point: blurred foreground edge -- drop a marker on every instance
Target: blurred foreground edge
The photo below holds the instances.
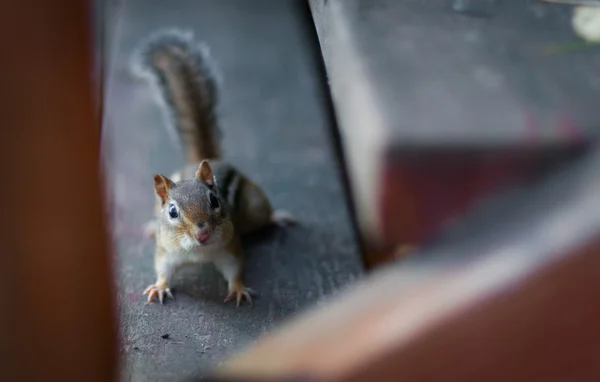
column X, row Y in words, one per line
column 57, row 314
column 509, row 295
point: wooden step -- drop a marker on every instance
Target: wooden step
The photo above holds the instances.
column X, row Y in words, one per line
column 441, row 104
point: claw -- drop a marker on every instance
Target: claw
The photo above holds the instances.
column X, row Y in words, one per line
column 248, row 298
column 158, row 291
column 151, row 295
column 239, row 294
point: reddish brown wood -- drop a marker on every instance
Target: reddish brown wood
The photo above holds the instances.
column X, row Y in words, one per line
column 58, row 314
column 375, row 258
column 546, row 330
column 422, row 190
column 449, row 327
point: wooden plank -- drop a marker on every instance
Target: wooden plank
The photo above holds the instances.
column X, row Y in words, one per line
column 58, row 314
column 507, row 284
column 447, row 329
column 425, row 191
column 474, row 88
column 543, row 330
column 275, row 130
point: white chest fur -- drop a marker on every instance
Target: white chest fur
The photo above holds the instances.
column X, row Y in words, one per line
column 173, row 260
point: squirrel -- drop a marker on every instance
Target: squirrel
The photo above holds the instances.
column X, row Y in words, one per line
column 202, row 210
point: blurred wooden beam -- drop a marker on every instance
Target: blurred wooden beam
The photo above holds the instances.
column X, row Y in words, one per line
column 508, row 294
column 58, row 314
column 541, row 330
column 449, row 327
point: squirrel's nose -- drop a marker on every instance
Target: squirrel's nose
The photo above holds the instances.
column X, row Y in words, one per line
column 202, row 236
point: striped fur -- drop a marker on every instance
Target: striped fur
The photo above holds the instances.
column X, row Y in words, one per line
column 182, row 72
column 246, row 204
column 202, row 209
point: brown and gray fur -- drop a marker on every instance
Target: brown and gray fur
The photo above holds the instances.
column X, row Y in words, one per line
column 202, row 209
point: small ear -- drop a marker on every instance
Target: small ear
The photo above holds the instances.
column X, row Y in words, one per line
column 162, row 185
column 205, row 173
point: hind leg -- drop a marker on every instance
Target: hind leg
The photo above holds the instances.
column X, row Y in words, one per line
column 282, row 218
column 255, row 210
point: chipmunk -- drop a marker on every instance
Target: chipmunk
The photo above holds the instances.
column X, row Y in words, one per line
column 202, row 210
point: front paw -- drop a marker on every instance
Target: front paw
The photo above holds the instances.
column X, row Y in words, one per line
column 238, row 292
column 158, row 289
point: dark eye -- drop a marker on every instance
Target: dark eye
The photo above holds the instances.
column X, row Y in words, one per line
column 214, row 202
column 173, row 211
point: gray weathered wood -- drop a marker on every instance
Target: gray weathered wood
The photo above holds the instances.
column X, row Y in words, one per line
column 420, row 86
column 275, row 130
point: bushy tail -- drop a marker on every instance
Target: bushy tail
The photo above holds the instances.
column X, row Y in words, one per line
column 186, row 83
